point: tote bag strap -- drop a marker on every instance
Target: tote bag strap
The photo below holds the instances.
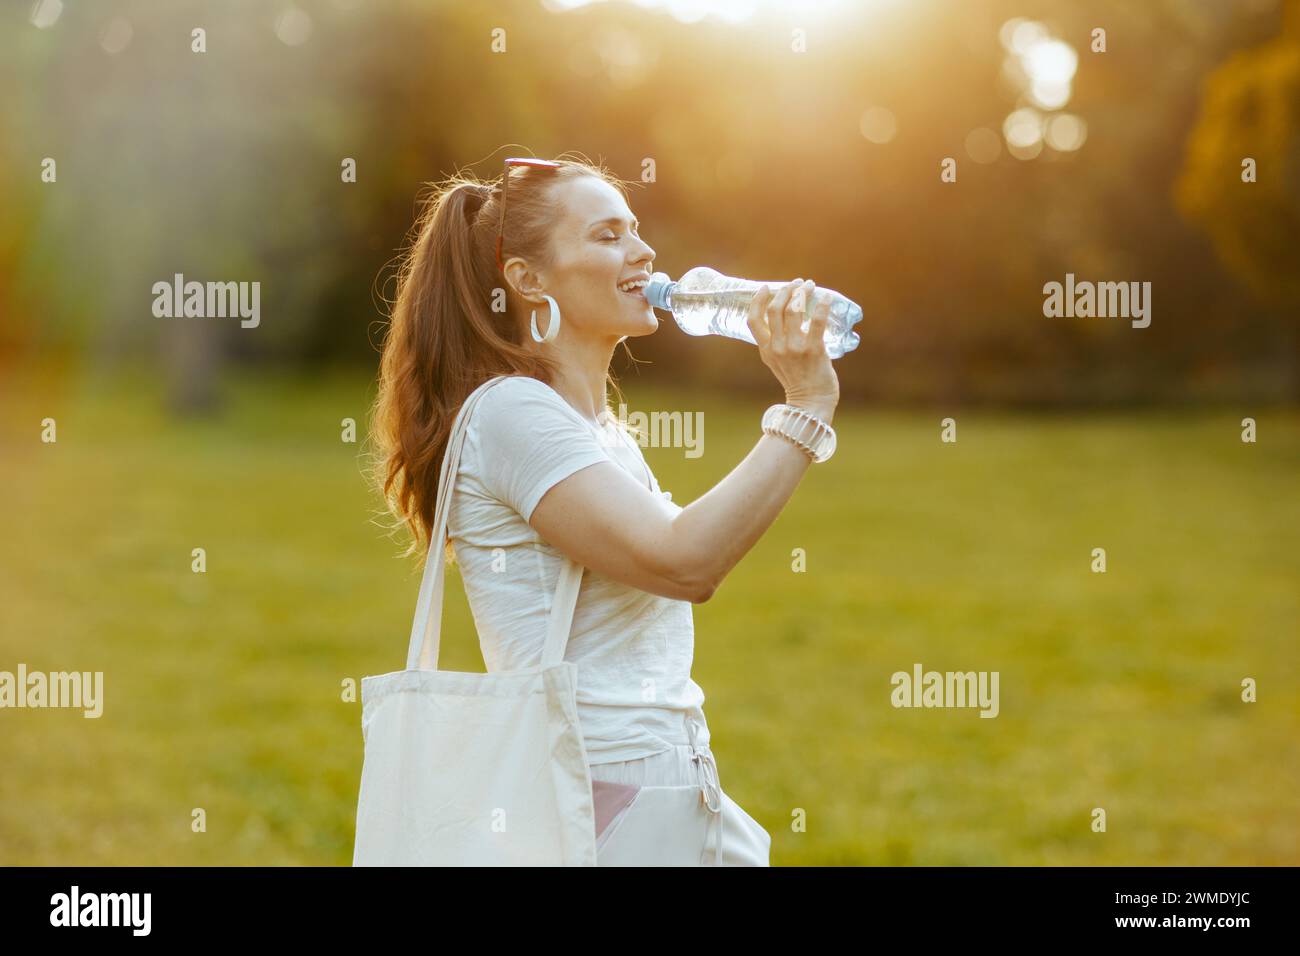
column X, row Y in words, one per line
column 426, row 629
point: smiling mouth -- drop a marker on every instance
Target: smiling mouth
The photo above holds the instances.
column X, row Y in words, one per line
column 637, row 290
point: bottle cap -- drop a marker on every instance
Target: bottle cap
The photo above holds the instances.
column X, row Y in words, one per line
column 656, row 290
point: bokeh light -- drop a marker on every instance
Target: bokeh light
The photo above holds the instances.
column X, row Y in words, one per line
column 1023, row 131
column 1023, row 128
column 45, row 13
column 1065, row 132
column 116, row 36
column 293, row 26
column 684, row 11
column 731, row 11
column 1052, row 61
column 878, row 125
column 1027, row 35
column 1042, row 68
column 1050, row 65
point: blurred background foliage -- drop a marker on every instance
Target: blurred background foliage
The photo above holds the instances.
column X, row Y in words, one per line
column 226, row 165
column 223, row 690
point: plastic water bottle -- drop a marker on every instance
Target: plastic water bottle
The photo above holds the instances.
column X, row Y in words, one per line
column 705, row 302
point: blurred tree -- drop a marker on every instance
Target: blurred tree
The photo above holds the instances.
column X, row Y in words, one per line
column 1251, row 109
column 226, row 165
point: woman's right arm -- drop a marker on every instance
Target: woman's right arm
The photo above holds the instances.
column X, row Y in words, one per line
column 603, row 519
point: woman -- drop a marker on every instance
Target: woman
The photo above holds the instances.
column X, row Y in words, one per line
column 539, row 284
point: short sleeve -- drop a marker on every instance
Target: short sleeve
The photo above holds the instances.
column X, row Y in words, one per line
column 529, row 439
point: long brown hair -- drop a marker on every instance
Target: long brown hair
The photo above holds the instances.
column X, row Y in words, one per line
column 443, row 337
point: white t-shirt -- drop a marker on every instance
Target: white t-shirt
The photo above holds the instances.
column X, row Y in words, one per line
column 633, row 649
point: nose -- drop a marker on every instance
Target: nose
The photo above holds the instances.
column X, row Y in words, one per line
column 646, row 255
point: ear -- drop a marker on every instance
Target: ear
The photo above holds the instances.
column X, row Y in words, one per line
column 526, row 283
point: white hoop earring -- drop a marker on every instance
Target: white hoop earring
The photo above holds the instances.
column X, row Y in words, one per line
column 553, row 329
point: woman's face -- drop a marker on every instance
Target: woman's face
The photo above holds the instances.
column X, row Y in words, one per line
column 596, row 248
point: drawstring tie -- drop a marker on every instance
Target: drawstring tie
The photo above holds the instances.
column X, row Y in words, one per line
column 710, row 786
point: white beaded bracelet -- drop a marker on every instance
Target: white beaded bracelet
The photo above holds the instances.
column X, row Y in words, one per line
column 804, row 429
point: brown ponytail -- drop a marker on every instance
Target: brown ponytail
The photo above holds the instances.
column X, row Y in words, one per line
column 443, row 338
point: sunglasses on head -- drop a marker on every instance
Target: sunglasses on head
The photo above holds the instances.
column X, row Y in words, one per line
column 505, row 182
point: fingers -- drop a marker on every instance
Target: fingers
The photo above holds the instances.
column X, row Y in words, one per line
column 776, row 310
column 756, row 320
column 776, row 320
column 805, row 305
column 817, row 325
column 796, row 313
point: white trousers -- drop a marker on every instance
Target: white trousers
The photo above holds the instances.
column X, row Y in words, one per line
column 669, row 809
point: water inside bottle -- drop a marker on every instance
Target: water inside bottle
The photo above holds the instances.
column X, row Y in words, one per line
column 705, row 302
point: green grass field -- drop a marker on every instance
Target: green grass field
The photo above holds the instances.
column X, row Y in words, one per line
column 1118, row 690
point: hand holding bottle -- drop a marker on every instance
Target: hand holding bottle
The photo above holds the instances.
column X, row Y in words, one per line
column 796, row 356
column 706, row 302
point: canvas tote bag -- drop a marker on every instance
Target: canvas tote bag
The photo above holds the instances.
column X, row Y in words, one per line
column 474, row 769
